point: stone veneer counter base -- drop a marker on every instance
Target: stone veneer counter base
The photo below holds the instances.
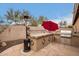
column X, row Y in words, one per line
column 39, row 41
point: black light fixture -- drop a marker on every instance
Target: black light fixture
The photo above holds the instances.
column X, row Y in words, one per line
column 27, row 40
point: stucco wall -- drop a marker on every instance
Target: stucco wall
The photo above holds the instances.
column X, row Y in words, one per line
column 76, row 26
column 13, row 33
column 18, row 32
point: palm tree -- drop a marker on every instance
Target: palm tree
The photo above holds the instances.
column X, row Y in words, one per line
column 65, row 23
column 17, row 15
column 10, row 14
column 13, row 15
column 24, row 13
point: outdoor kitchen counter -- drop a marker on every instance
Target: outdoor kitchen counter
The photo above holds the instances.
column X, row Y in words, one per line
column 36, row 36
column 39, row 41
column 76, row 35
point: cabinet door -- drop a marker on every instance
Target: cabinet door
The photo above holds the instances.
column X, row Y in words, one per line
column 66, row 41
column 57, row 38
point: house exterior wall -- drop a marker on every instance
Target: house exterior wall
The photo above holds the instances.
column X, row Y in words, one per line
column 76, row 18
column 76, row 26
column 75, row 37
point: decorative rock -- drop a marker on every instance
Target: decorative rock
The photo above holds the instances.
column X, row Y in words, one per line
column 4, row 44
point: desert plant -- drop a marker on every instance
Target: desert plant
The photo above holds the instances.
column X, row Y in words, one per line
column 41, row 19
column 33, row 22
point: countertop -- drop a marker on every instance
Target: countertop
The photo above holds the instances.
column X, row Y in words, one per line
column 36, row 36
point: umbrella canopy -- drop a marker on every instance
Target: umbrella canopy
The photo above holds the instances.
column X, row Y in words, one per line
column 50, row 26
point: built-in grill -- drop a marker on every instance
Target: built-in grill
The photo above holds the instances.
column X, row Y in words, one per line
column 65, row 36
column 65, row 33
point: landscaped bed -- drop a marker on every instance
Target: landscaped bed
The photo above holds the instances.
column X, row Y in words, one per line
column 10, row 44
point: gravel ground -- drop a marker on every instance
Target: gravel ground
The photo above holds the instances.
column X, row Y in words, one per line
column 10, row 43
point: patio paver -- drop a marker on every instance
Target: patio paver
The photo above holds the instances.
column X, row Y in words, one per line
column 53, row 49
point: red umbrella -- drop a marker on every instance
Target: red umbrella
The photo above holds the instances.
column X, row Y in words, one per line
column 50, row 26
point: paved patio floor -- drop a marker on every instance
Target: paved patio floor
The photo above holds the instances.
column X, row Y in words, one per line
column 53, row 49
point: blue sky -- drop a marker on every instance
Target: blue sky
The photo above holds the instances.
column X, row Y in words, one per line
column 50, row 10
